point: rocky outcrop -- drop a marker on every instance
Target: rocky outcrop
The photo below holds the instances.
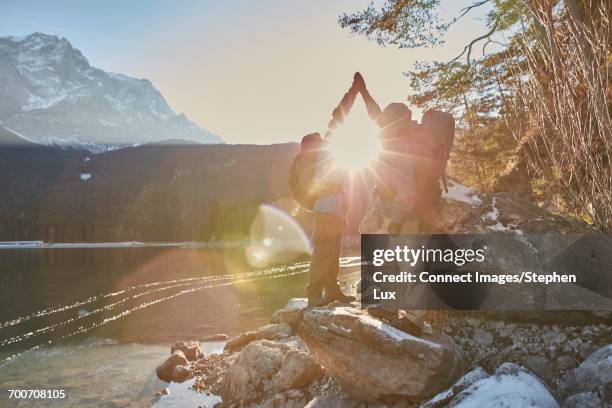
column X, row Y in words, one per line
column 165, row 371
column 376, row 361
column 465, row 211
column 191, row 349
column 270, row 332
column 264, row 369
column 591, row 381
column 510, row 386
column 291, row 313
column 349, row 358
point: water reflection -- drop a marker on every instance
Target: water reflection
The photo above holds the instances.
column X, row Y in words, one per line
column 144, row 295
column 96, row 321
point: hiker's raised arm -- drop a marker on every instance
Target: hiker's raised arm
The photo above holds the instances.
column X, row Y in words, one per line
column 343, row 108
column 371, row 105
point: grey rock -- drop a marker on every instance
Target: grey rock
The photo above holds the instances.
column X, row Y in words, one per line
column 592, row 375
column 586, row 349
column 444, row 398
column 566, row 362
column 541, row 366
column 265, row 368
column 584, row 400
column 291, row 313
column 510, row 386
column 483, row 338
column 373, row 360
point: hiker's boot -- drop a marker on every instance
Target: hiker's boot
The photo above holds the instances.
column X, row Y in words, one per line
column 317, row 301
column 338, row 296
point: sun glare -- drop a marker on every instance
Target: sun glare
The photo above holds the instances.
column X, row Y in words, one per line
column 355, row 144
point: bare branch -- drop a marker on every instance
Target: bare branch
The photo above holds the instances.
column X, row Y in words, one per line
column 467, row 9
column 468, row 48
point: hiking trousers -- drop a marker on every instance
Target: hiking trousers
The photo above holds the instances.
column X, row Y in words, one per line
column 324, row 263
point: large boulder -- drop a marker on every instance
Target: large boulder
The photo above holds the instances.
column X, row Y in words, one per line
column 165, row 371
column 191, row 349
column 265, row 368
column 593, row 377
column 584, row 400
column 376, row 361
column 269, row 332
column 510, row 386
column 444, row 398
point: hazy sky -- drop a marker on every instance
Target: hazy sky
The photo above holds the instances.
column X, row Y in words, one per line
column 252, row 71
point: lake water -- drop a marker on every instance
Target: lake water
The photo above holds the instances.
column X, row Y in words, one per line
column 97, row 321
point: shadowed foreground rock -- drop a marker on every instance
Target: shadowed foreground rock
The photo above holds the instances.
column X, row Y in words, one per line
column 165, row 371
column 591, row 381
column 376, row 361
column 510, row 386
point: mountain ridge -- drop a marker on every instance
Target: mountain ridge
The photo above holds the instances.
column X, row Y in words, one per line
column 52, row 95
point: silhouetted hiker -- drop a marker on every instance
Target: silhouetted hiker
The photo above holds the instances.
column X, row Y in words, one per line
column 392, row 209
column 410, row 167
column 395, row 192
column 321, row 186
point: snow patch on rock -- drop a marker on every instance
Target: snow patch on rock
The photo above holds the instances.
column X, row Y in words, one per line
column 388, row 330
column 463, row 194
column 511, row 386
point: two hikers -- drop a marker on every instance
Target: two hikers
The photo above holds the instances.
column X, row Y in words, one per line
column 410, row 165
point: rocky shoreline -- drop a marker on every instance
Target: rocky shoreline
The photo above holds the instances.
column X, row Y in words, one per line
column 341, row 356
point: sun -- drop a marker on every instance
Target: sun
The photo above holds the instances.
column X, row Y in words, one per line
column 355, row 144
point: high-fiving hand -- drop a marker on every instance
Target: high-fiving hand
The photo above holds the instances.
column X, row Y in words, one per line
column 358, row 82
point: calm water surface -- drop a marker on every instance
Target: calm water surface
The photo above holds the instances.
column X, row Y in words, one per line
column 96, row 321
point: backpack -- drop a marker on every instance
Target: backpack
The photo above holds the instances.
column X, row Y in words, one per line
column 302, row 171
column 433, row 143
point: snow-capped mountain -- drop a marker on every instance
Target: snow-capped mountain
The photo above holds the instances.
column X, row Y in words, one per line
column 50, row 94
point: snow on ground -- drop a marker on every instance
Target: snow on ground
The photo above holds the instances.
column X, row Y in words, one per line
column 494, row 216
column 85, row 176
column 463, row 194
column 518, row 389
column 106, row 123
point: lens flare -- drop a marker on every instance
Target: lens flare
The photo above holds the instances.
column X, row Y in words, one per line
column 275, row 238
column 355, row 144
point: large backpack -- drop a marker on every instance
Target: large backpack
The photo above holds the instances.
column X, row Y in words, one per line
column 302, row 171
column 433, row 143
